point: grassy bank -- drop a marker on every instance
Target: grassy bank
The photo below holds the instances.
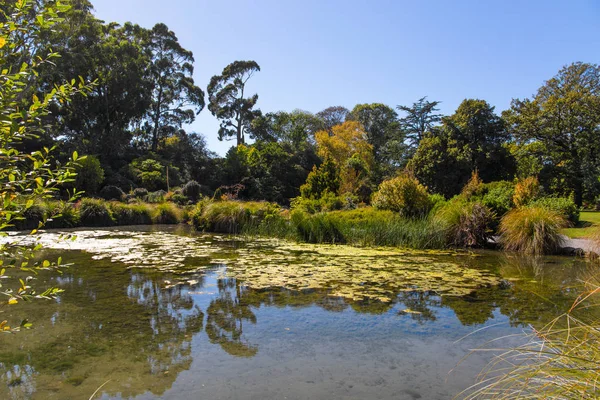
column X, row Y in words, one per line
column 588, row 225
column 99, row 213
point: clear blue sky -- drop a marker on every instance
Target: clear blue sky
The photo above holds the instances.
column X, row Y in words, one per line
column 318, row 53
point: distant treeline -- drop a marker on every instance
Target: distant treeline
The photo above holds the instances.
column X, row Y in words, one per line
column 131, row 126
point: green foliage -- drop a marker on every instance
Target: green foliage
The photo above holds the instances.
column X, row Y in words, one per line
column 420, row 118
column 321, row 180
column 561, row 205
column 498, row 197
column 95, row 212
column 180, row 199
column 327, row 202
column 192, row 190
column 156, row 197
column 167, row 213
column 150, row 173
column 27, row 177
column 532, row 230
column 32, row 218
column 90, row 175
column 467, row 224
column 112, row 192
column 404, row 195
column 65, row 214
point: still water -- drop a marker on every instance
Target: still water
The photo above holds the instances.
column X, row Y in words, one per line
column 163, row 313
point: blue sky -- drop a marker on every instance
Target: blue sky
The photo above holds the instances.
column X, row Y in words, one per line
column 314, row 54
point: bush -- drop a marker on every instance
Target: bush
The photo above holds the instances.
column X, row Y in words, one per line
column 473, row 188
column 532, row 230
column 467, row 224
column 112, row 192
column 192, row 190
column 90, row 175
column 180, row 199
column 64, row 215
column 156, row 197
column 167, row 213
column 564, row 206
column 140, row 193
column 403, row 194
column 131, row 214
column 526, row 191
column 499, row 197
column 95, row 212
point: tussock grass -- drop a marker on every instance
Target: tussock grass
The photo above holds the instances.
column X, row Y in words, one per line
column 467, row 224
column 532, row 230
column 559, row 361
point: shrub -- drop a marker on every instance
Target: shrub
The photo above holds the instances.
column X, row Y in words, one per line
column 95, row 212
column 467, row 224
column 180, row 199
column 64, row 215
column 403, row 194
column 90, row 175
column 156, row 197
column 112, row 192
column 564, row 206
column 532, row 230
column 526, row 191
column 167, row 213
column 499, row 196
column 328, row 202
column 140, row 193
column 192, row 190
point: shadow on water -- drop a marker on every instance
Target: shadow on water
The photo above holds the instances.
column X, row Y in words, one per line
column 171, row 314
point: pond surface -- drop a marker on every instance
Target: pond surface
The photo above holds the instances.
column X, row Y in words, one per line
column 163, row 313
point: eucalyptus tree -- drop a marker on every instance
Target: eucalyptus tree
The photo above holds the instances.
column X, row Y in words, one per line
column 332, row 116
column 175, row 98
column 227, row 101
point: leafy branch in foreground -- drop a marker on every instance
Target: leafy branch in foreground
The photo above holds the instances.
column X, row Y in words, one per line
column 26, row 178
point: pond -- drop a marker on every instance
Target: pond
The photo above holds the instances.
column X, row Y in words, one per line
column 162, row 312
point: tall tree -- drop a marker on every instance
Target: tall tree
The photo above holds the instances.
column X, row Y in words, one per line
column 296, row 128
column 420, row 118
column 564, row 117
column 227, row 102
column 332, row 116
column 175, row 98
column 383, row 133
column 472, row 139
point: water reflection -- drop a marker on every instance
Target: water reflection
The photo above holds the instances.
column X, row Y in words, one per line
column 141, row 328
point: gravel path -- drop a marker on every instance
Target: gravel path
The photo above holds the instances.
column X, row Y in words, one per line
column 584, row 244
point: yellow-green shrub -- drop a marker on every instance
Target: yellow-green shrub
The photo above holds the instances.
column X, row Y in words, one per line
column 526, row 191
column 403, row 194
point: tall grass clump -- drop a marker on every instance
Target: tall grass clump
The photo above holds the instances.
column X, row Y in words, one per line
column 95, row 212
column 466, row 224
column 63, row 214
column 232, row 216
column 404, row 195
column 131, row 214
column 167, row 213
column 532, row 230
column 558, row 361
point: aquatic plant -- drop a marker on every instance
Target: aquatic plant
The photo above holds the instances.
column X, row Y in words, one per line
column 94, row 212
column 404, row 195
column 557, row 361
column 232, row 216
column 532, row 230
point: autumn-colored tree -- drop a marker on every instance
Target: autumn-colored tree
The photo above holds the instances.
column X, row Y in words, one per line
column 348, row 148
